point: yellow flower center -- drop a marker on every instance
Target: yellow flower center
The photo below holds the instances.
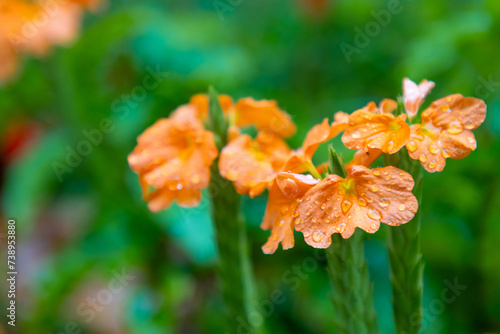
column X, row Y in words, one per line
column 394, row 126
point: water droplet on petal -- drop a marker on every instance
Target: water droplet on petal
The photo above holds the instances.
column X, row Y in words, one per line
column 434, row 149
column 295, row 214
column 314, row 219
column 376, row 172
column 308, row 213
column 318, row 236
column 455, row 127
column 306, row 234
column 388, row 177
column 422, row 157
column 297, row 221
column 196, row 178
column 469, row 124
column 346, row 205
column 412, row 146
column 432, row 164
column 373, row 227
column 179, row 186
column 384, row 202
column 401, row 207
column 356, row 134
column 374, row 188
column 374, row 214
column 282, row 222
column 341, row 227
column 323, row 206
column 361, row 201
column 327, row 220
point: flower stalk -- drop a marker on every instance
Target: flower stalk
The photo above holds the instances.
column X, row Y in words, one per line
column 352, row 294
column 234, row 267
column 405, row 257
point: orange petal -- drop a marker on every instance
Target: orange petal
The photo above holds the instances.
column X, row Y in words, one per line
column 432, row 146
column 264, row 115
column 283, row 195
column 174, row 157
column 364, row 199
column 388, row 106
column 382, row 131
column 162, row 198
column 200, row 103
column 414, row 95
column 317, row 135
column 455, row 113
column 364, row 157
column 253, row 164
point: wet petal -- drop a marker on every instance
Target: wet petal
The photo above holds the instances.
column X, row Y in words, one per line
column 414, row 95
column 253, row 164
column 365, row 199
column 455, row 113
column 280, row 215
column 264, row 115
column 388, row 106
column 376, row 131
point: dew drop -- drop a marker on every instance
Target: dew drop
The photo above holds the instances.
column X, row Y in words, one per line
column 445, row 153
column 295, row 214
column 374, row 214
column 384, row 202
column 318, row 236
column 434, row 149
column 308, row 213
column 323, row 206
column 346, row 205
column 455, row 127
column 373, row 227
column 327, row 220
column 401, row 207
column 432, row 164
column 341, row 227
column 376, row 172
column 297, row 221
column 314, row 219
column 362, row 201
column 422, row 157
column 179, row 186
column 356, row 134
column 306, row 234
column 282, row 222
column 412, row 146
column 469, row 124
column 387, row 178
column 374, row 188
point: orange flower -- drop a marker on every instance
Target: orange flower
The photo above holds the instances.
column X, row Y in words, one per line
column 281, row 204
column 445, row 131
column 385, row 106
column 253, row 164
column 30, row 27
column 414, row 95
column 372, row 130
column 301, row 160
column 264, row 114
column 173, row 156
column 364, row 199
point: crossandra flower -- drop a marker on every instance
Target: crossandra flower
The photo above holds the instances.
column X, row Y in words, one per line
column 24, row 28
column 282, row 202
column 366, row 198
column 364, row 157
column 264, row 114
column 445, row 131
column 252, row 164
column 301, row 159
column 173, row 157
column 369, row 129
column 414, row 95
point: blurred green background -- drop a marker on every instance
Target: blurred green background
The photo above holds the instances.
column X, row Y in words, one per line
column 78, row 230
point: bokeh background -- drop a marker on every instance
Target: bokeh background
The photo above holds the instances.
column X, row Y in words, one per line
column 79, row 229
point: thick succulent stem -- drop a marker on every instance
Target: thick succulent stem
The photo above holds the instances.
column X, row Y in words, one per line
column 352, row 294
column 234, row 266
column 405, row 258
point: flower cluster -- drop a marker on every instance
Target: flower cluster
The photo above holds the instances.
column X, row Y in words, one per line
column 174, row 157
column 32, row 27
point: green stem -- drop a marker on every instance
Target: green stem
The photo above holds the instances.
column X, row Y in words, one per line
column 234, row 267
column 352, row 294
column 405, row 258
